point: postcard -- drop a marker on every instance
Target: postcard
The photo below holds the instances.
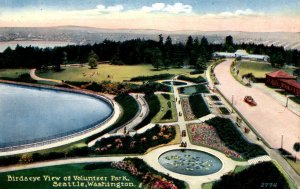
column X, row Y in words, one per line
column 137, row 94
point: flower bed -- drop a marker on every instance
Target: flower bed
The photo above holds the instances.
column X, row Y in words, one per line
column 149, row 177
column 187, row 110
column 206, row 135
column 138, row 143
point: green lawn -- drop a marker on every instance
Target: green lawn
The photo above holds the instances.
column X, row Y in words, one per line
column 109, row 72
column 12, row 73
column 62, row 171
column 165, row 105
column 258, row 69
column 295, row 165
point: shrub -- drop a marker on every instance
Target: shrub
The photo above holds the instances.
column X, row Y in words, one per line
column 152, row 77
column 198, row 106
column 194, row 80
column 168, row 115
column 233, row 139
column 197, row 72
column 262, row 175
column 9, row 160
column 166, row 96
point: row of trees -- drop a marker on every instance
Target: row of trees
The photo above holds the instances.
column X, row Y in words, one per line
column 161, row 54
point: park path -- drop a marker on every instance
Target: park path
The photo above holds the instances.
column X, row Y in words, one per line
column 35, row 77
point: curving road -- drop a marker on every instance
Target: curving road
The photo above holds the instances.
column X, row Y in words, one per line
column 269, row 118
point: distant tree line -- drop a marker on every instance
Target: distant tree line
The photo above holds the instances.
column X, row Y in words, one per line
column 163, row 53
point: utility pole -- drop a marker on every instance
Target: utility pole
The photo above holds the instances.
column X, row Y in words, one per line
column 232, row 104
column 281, row 141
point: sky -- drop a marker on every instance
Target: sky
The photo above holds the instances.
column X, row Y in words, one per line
column 170, row 15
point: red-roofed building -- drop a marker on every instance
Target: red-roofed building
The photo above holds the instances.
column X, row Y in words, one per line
column 283, row 80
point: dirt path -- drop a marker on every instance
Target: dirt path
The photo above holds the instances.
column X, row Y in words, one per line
column 269, row 118
column 35, row 77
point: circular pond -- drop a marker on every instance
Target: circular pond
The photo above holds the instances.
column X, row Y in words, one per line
column 176, row 83
column 30, row 114
column 190, row 162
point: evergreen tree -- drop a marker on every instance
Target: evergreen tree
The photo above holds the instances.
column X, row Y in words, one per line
column 156, row 58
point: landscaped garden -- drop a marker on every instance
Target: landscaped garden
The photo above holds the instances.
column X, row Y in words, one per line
column 262, row 175
column 138, row 143
column 109, row 72
column 233, row 139
column 167, row 111
column 187, row 110
column 198, row 105
column 205, row 135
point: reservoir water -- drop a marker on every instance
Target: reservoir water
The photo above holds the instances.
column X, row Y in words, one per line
column 29, row 114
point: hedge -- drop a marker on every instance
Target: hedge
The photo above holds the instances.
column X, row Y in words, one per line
column 198, row 106
column 233, row 139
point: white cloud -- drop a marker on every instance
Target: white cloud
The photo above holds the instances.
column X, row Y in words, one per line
column 162, row 7
column 154, row 7
column 237, row 13
column 110, row 9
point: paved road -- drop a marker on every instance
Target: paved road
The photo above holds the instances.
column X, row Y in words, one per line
column 269, row 118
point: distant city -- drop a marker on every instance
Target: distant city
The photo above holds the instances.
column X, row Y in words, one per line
column 87, row 35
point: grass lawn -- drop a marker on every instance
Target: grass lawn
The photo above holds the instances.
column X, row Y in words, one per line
column 12, row 73
column 166, row 106
column 296, row 166
column 115, row 72
column 295, row 99
column 62, row 171
column 259, row 69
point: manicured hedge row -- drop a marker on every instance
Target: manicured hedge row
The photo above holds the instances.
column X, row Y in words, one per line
column 198, row 106
column 152, row 77
column 191, row 79
column 233, row 138
column 263, row 175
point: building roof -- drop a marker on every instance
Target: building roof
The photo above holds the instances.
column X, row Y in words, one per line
column 280, row 74
column 290, row 82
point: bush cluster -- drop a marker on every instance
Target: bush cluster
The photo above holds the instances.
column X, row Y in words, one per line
column 233, row 139
column 191, row 79
column 152, row 77
column 262, row 175
column 198, row 106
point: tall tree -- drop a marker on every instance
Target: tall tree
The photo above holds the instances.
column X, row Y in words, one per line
column 201, row 64
column 156, row 58
column 92, row 61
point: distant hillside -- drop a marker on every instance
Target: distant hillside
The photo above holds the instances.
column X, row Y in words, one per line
column 85, row 35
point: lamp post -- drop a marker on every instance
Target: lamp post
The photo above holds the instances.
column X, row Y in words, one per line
column 287, row 101
column 232, row 104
